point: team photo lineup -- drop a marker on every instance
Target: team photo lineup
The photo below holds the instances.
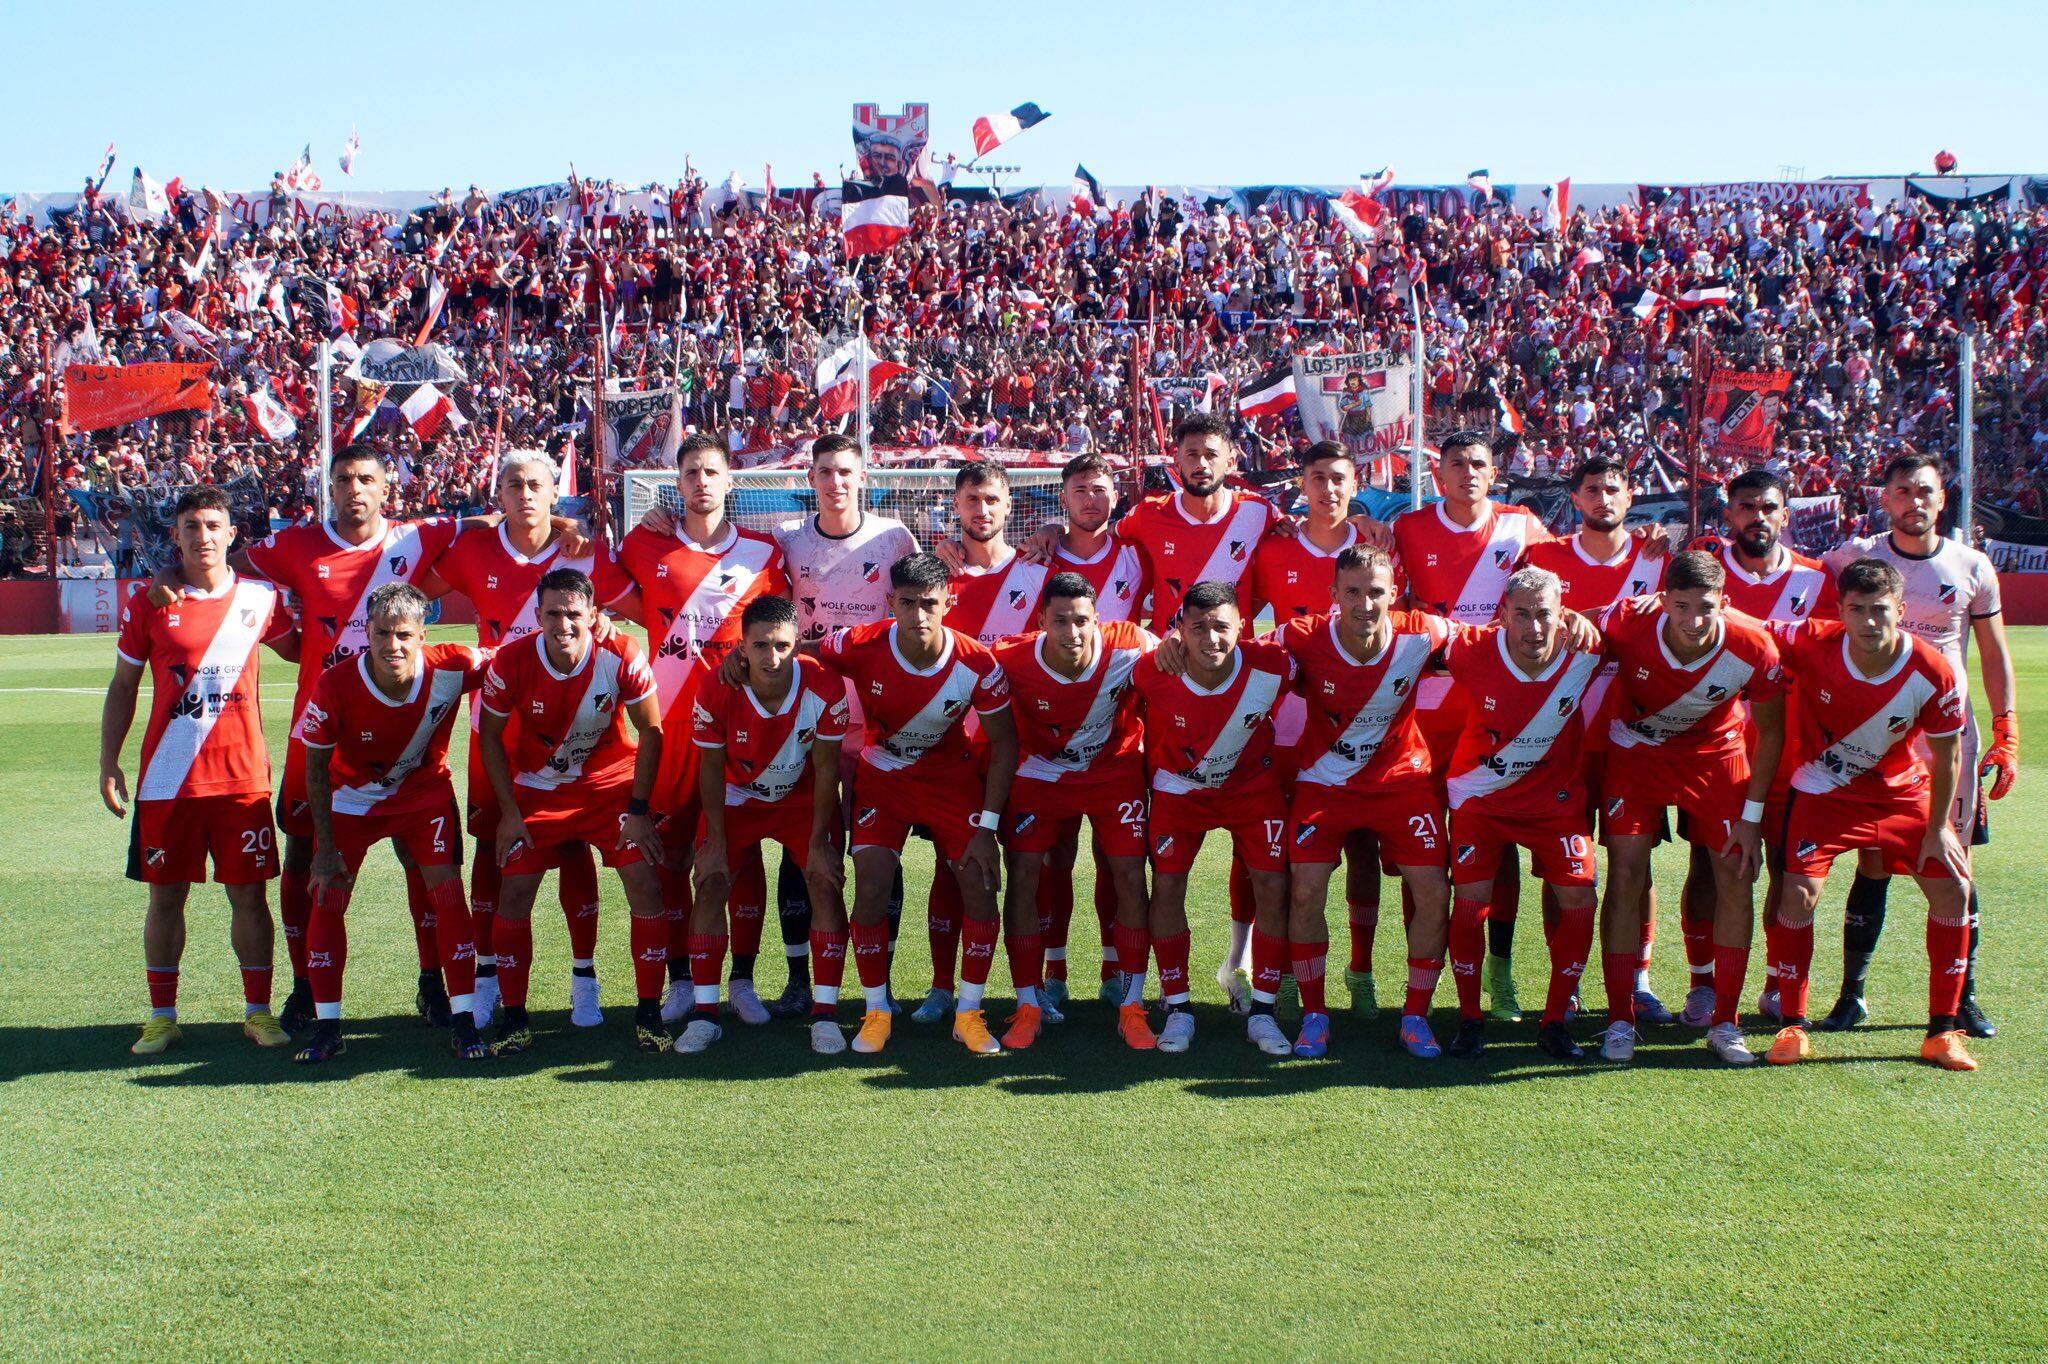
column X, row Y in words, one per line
column 1429, row 702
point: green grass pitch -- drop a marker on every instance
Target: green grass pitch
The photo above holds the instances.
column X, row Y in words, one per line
column 586, row 1201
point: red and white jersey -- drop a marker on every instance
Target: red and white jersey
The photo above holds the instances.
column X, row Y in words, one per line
column 1199, row 739
column 331, row 580
column 995, row 604
column 1458, row 572
column 1591, row 585
column 1181, row 551
column 915, row 714
column 205, row 732
column 691, row 599
column 1119, row 574
column 1361, row 727
column 1087, row 727
column 768, row 753
column 390, row 757
column 566, row 727
column 501, row 582
column 1796, row 587
column 1685, row 708
column 1519, row 752
column 1294, row 577
column 1945, row 590
column 1856, row 733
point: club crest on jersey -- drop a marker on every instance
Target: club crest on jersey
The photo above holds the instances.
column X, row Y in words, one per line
column 1896, row 724
column 1237, row 551
column 1401, row 685
column 1122, row 588
column 1716, row 692
column 953, row 706
column 1503, row 557
column 806, row 734
column 1250, row 719
column 399, row 562
column 871, row 572
column 1017, row 598
column 601, row 702
column 1799, row 606
column 1947, row 592
column 1565, row 704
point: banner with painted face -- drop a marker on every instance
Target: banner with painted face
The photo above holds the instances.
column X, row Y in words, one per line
column 1364, row 401
column 889, row 144
column 1739, row 416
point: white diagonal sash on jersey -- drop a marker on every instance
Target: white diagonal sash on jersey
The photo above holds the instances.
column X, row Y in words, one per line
column 940, row 712
column 1856, row 752
column 444, row 688
column 1245, row 526
column 780, row 777
column 1096, row 728
column 1006, row 615
column 1214, row 767
column 586, row 727
column 396, row 559
column 1536, row 737
column 709, row 605
column 1361, row 739
column 218, row 672
column 1728, row 674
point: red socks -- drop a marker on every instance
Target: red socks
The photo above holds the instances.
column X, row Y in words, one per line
column 747, row 905
column 256, row 986
column 1570, row 941
column 1055, row 917
column 424, row 939
column 1105, row 923
column 327, row 947
column 576, row 888
column 1701, row 956
column 649, row 940
column 943, row 913
column 1132, row 947
column 1467, row 946
column 1269, row 963
column 1731, row 964
column 978, row 952
column 163, row 986
column 1618, row 970
column 707, row 969
column 1422, row 977
column 1791, row 965
column 294, row 912
column 1173, row 966
column 1948, row 958
column 454, row 938
column 677, row 900
column 828, row 970
column 484, row 878
column 1364, row 920
column 514, row 941
column 1027, row 960
column 1309, row 961
column 871, row 953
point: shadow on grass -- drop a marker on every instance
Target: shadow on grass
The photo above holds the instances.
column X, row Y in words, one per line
column 1081, row 1056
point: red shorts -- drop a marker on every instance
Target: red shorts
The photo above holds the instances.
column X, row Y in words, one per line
column 1560, row 846
column 169, row 841
column 755, row 822
column 430, row 835
column 577, row 813
column 1820, row 828
column 1042, row 811
column 1407, row 816
column 294, row 806
column 1256, row 821
column 1707, row 789
column 887, row 804
column 483, row 802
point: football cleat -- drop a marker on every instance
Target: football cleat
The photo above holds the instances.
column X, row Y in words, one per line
column 464, row 1039
column 1618, row 1043
column 1053, row 993
column 1471, row 1039
column 1179, row 1031
column 1790, row 1045
column 1049, row 1012
column 158, row 1033
column 1849, row 1010
column 324, row 1045
column 1023, row 1029
column 937, row 1004
column 1417, row 1037
column 1111, row 991
column 746, row 1002
column 1767, row 1007
column 1699, row 1007
column 262, row 1029
column 515, row 1035
column 1365, row 1004
column 1264, row 1031
column 970, row 1029
column 1554, row 1039
column 431, row 999
column 1313, row 1042
column 1133, row 1027
column 652, row 1036
column 699, row 1035
column 583, row 1010
column 678, row 1000
column 794, row 1002
column 1237, row 988
column 827, row 1037
column 1971, row 1016
column 1502, row 1006
column 297, row 1013
column 1725, row 1041
column 1651, row 1010
column 1946, row 1050
column 484, row 1003
column 874, row 1031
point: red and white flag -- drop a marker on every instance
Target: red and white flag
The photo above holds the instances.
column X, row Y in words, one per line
column 1269, row 394
column 993, row 130
column 1650, row 304
column 1510, row 419
column 838, row 377
column 1557, row 205
column 874, row 216
column 1481, row 181
column 349, row 150
column 188, row 332
column 268, row 416
column 1705, row 296
column 437, row 297
column 1360, row 214
column 302, row 178
column 1088, row 201
column 1379, row 182
column 428, row 410
column 1588, row 255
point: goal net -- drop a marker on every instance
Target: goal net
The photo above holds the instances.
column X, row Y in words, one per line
column 921, row 499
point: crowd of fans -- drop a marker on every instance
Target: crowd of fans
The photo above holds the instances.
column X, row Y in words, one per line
column 1016, row 320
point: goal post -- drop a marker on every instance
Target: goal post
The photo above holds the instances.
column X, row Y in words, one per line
column 922, row 499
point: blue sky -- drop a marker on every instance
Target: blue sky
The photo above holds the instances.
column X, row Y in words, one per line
column 1194, row 92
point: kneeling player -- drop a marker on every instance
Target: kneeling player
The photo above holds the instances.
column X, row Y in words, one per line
column 1209, row 742
column 1516, row 779
column 1078, row 757
column 1365, row 769
column 203, row 791
column 917, row 680
column 1866, row 690
column 565, row 770
column 376, row 735
column 1684, row 667
column 778, row 732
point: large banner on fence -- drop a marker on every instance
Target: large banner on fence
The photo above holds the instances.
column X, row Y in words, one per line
column 99, row 396
column 634, row 426
column 148, row 510
column 1363, row 400
column 2008, row 557
column 889, row 144
column 388, row 362
column 1815, row 523
column 1771, row 193
column 1740, row 414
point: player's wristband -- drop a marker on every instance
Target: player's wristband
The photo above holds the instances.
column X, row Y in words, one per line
column 635, row 806
column 1752, row 812
column 987, row 819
